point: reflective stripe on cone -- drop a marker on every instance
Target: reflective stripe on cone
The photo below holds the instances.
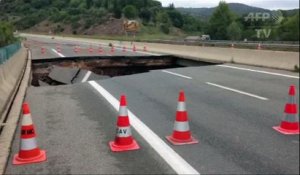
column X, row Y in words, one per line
column 123, row 140
column 290, row 122
column 29, row 151
column 181, row 132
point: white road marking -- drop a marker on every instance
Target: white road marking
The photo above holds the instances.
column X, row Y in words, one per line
column 86, row 76
column 183, row 76
column 237, row 91
column 179, row 165
column 148, row 53
column 59, row 54
column 259, row 71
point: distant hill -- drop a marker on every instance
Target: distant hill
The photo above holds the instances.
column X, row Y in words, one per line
column 237, row 8
column 291, row 12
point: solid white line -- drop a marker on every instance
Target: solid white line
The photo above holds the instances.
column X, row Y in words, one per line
column 259, row 71
column 147, row 53
column 237, row 91
column 86, row 76
column 183, row 76
column 59, row 54
column 179, row 165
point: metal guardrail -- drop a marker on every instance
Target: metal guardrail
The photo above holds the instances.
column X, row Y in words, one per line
column 8, row 51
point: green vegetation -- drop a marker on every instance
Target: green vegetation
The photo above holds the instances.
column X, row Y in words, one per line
column 6, row 34
column 225, row 22
column 220, row 20
column 130, row 12
column 90, row 13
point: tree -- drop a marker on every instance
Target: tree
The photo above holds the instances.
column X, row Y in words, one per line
column 176, row 18
column 6, row 33
column 289, row 29
column 130, row 12
column 145, row 14
column 234, row 31
column 163, row 21
column 220, row 20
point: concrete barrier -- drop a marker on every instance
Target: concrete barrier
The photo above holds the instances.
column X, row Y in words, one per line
column 264, row 58
column 10, row 74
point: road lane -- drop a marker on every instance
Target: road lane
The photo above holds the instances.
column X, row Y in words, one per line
column 235, row 131
column 85, row 48
column 74, row 125
column 269, row 86
column 168, row 154
column 260, row 71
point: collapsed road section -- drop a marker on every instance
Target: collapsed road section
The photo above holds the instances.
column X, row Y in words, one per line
column 59, row 71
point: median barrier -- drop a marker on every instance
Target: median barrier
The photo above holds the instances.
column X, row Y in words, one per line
column 10, row 73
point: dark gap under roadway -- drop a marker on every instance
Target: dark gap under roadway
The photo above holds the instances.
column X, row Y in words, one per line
column 70, row 70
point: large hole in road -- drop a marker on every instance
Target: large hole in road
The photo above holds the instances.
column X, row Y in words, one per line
column 70, row 70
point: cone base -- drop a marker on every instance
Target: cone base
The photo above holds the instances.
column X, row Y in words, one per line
column 40, row 158
column 118, row 148
column 285, row 131
column 174, row 141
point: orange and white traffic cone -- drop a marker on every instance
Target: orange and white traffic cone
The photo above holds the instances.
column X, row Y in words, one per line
column 78, row 49
column 259, row 46
column 43, row 50
column 58, row 48
column 124, row 49
column 29, row 151
column 134, row 48
column 181, row 133
column 91, row 50
column 290, row 123
column 123, row 140
column 112, row 50
column 100, row 50
column 75, row 49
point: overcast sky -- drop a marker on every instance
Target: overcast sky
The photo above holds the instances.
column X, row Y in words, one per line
column 268, row 4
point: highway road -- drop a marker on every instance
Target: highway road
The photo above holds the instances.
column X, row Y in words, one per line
column 232, row 109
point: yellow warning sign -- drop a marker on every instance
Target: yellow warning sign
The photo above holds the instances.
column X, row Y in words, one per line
column 131, row 26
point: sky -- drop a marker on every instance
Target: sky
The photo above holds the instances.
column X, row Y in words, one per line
column 267, row 4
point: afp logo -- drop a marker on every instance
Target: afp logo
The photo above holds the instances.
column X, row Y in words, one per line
column 275, row 16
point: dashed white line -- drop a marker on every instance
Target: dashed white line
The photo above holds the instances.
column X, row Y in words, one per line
column 259, row 71
column 86, row 76
column 179, row 165
column 237, row 91
column 59, row 54
column 179, row 75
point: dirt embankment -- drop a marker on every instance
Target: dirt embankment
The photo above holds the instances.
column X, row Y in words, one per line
column 110, row 27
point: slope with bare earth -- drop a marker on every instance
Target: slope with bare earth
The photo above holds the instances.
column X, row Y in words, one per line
column 110, row 27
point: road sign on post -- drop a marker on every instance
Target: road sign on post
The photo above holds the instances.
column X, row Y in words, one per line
column 131, row 27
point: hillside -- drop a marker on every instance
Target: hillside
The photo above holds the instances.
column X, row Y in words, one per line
column 106, row 17
column 237, row 8
column 103, row 17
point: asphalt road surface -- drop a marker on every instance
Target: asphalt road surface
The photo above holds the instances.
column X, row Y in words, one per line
column 232, row 109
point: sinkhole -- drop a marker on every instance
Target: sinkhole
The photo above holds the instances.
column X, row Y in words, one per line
column 71, row 70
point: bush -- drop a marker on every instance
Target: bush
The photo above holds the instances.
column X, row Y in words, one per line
column 88, row 23
column 6, row 33
column 165, row 28
column 75, row 25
